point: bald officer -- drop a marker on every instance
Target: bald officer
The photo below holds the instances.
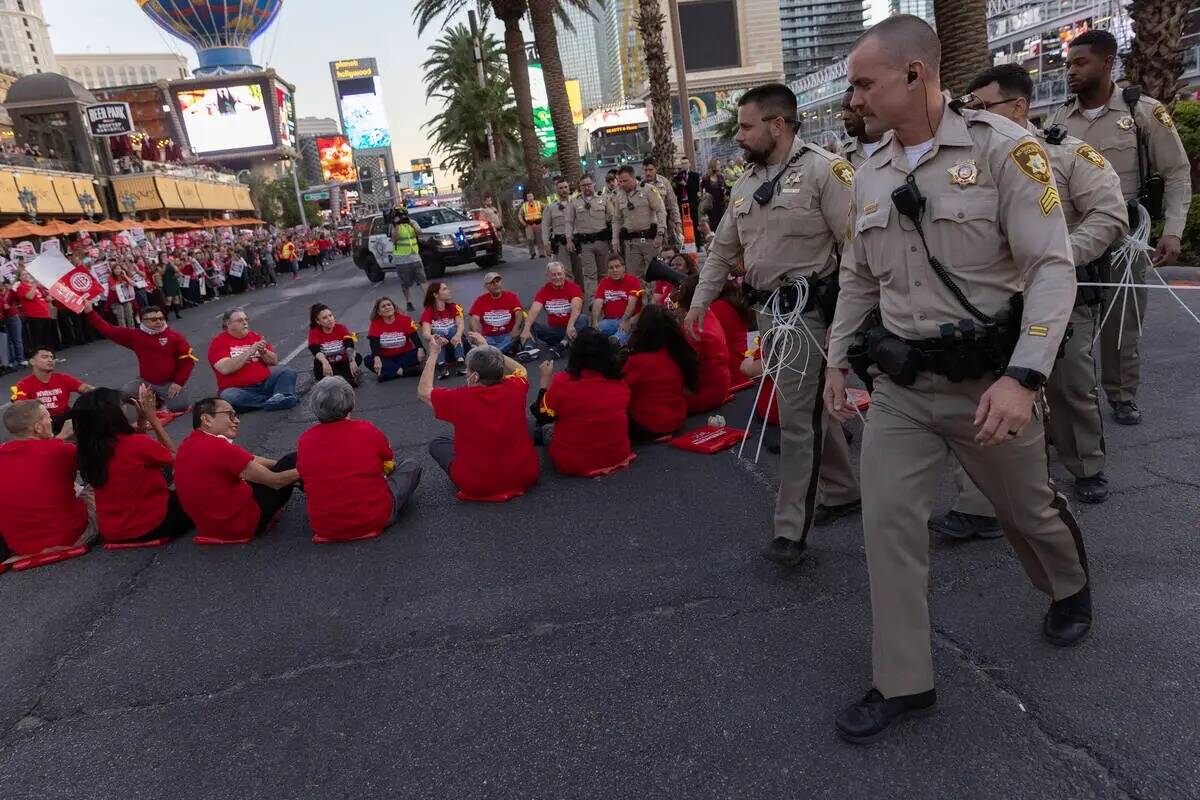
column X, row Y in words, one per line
column 787, row 219
column 977, row 191
column 639, row 222
column 589, row 221
column 1101, row 115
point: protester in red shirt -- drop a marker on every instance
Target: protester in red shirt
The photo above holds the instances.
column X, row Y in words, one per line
column 165, row 359
column 324, row 245
column 491, row 455
column 35, row 308
column 443, row 317
column 352, row 484
column 660, row 367
column 125, row 468
column 683, row 264
column 247, row 367
column 10, row 319
column 52, row 389
column 230, row 494
column 710, row 345
column 496, row 314
column 396, row 350
column 563, row 301
column 618, row 300
column 588, row 407
column 735, row 320
column 332, row 345
column 40, row 511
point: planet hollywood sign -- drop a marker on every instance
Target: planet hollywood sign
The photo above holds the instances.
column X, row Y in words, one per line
column 109, row 119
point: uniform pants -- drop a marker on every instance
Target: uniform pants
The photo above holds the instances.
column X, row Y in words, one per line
column 1121, row 368
column 593, row 261
column 533, row 237
column 909, row 432
column 638, row 255
column 1074, row 425
column 573, row 263
column 815, row 457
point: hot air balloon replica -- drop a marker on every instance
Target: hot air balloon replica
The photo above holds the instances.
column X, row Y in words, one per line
column 220, row 30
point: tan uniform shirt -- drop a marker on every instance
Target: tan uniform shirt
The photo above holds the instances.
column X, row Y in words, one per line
column 1113, row 134
column 648, row 209
column 587, row 215
column 993, row 218
column 797, row 233
column 856, row 153
column 554, row 221
column 668, row 197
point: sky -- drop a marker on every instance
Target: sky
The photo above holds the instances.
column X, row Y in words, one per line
column 304, row 38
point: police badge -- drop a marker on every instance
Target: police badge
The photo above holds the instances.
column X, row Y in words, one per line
column 964, row 173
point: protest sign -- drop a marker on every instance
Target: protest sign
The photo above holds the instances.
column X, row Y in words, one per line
column 70, row 285
column 49, row 245
column 101, row 272
column 237, row 267
column 124, row 292
column 8, row 271
column 23, row 249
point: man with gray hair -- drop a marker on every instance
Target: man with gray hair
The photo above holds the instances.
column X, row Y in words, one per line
column 352, row 482
column 563, row 301
column 247, row 367
column 491, row 455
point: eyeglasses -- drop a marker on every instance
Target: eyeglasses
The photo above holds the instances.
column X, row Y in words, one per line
column 975, row 103
column 232, row 414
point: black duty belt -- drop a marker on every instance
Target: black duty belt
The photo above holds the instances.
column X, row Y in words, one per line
column 588, row 238
column 649, row 233
column 558, row 238
column 822, row 294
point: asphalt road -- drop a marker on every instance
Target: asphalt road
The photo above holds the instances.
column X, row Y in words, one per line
column 611, row 638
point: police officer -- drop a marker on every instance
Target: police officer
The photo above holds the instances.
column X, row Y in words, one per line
column 531, row 218
column 1095, row 212
column 1136, row 134
column 554, row 227
column 650, row 177
column 786, row 220
column 862, row 144
column 589, row 224
column 931, row 259
column 639, row 220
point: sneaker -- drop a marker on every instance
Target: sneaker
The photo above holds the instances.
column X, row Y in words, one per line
column 443, row 373
column 462, row 368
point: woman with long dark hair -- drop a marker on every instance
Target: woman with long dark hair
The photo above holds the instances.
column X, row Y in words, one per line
column 709, row 344
column 125, row 467
column 443, row 317
column 332, row 345
column 660, row 367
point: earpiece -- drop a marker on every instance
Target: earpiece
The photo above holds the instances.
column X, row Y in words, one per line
column 912, row 76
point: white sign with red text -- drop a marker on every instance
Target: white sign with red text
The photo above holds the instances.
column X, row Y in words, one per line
column 70, row 285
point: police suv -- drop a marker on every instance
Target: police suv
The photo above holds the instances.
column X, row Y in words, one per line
column 447, row 239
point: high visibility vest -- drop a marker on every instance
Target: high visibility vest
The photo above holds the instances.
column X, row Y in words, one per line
column 405, row 240
column 533, row 212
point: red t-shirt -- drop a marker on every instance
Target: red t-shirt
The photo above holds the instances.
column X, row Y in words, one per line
column 332, row 344
column 662, row 291
column 493, row 452
column 54, row 394
column 442, row 323
column 341, row 464
column 656, row 399
column 497, row 315
column 557, row 302
column 616, row 294
column 207, row 482
column 37, row 307
column 133, row 501
column 324, row 244
column 225, row 345
column 38, row 506
column 735, row 335
column 714, row 367
column 591, row 423
column 395, row 337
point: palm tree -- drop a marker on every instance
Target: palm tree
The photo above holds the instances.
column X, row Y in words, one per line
column 650, row 25
column 962, row 27
column 541, row 19
column 1155, row 61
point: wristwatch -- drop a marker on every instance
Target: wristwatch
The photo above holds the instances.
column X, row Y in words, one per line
column 1031, row 379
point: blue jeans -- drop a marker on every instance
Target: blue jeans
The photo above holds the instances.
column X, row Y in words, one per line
column 612, row 327
column 390, row 366
column 453, row 352
column 16, row 346
column 503, row 342
column 259, row 396
column 554, row 336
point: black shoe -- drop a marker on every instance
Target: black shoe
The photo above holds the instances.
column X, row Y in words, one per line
column 871, row 718
column 958, row 525
column 1126, row 413
column 409, row 306
column 1093, row 489
column 462, row 368
column 786, row 552
column 1069, row 621
column 827, row 515
column 443, row 373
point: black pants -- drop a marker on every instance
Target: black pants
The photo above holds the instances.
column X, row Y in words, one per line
column 271, row 500
column 42, row 333
column 341, row 368
column 442, row 450
column 175, row 523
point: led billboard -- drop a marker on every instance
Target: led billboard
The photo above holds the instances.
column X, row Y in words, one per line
column 337, row 159
column 223, row 118
column 287, row 117
column 543, row 125
column 360, row 100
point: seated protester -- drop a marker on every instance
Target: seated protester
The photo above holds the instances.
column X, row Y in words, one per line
column 491, row 454
column 683, row 264
column 618, row 300
column 735, row 320
column 247, row 367
column 710, row 345
column 125, row 468
column 496, row 314
column 443, row 317
column 165, row 359
column 352, row 483
column 40, row 509
column 396, row 350
column 563, row 301
column 587, row 406
column 332, row 345
column 229, row 493
column 660, row 366
column 52, row 389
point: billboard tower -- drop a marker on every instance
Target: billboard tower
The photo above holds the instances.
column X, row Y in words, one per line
column 359, row 95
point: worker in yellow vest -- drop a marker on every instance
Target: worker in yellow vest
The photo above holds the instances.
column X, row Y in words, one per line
column 406, row 256
column 531, row 218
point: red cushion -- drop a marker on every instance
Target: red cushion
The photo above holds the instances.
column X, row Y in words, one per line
column 746, row 384
column 198, row 539
column 709, row 439
column 622, row 464
column 165, row 416
column 29, row 562
column 3, row 568
column 861, row 399
column 489, row 498
column 137, row 545
column 318, row 539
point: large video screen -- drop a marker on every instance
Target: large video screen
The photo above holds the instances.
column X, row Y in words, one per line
column 337, row 159
column 710, row 34
column 225, row 118
column 287, row 117
column 363, row 114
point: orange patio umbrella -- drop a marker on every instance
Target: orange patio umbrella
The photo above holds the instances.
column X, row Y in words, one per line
column 22, row 229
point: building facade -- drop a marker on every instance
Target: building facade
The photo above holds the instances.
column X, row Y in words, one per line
column 918, row 8
column 816, row 33
column 104, row 70
column 626, row 66
column 25, row 38
column 584, row 49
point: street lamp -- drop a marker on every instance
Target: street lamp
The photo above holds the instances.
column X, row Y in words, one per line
column 129, row 203
column 88, row 203
column 29, row 202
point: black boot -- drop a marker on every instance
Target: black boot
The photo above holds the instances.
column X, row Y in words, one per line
column 1069, row 621
column 786, row 552
column 1126, row 412
column 827, row 515
column 870, row 718
column 958, row 525
column 1093, row 489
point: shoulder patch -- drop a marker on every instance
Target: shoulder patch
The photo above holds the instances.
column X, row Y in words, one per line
column 1089, row 154
column 842, row 170
column 1031, row 159
column 1164, row 117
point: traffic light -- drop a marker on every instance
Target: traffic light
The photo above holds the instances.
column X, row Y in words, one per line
column 521, row 188
column 583, row 162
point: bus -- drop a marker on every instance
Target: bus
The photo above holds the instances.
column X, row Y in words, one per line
column 616, row 137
